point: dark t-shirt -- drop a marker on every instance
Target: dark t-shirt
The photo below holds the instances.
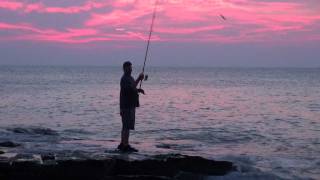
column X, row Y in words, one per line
column 129, row 97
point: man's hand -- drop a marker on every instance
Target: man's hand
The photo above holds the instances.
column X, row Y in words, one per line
column 141, row 77
column 141, row 91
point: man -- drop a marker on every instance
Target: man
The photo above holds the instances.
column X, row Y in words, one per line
column 129, row 100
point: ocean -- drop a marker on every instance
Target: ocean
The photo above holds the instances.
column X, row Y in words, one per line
column 265, row 120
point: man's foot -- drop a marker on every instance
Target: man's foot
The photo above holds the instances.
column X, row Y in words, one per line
column 131, row 149
column 120, row 147
column 126, row 148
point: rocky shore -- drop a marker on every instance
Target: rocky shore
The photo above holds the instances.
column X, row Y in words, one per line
column 109, row 166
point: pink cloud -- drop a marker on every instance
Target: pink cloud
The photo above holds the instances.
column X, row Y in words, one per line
column 74, row 9
column 21, row 27
column 177, row 20
column 33, row 7
column 186, row 31
column 42, row 8
column 75, row 36
column 11, row 5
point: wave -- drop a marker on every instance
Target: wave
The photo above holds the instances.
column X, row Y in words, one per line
column 77, row 131
column 33, row 131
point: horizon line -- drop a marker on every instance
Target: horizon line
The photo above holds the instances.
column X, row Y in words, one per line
column 155, row 66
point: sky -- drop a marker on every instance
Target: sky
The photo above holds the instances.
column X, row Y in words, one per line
column 263, row 33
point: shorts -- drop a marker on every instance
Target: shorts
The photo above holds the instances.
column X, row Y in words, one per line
column 128, row 118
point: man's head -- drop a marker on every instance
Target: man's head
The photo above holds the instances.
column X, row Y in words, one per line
column 127, row 67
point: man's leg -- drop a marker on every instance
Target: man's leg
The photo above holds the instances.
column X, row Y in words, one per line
column 124, row 130
column 125, row 137
column 128, row 120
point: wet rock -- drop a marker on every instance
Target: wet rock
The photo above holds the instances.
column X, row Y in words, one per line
column 172, row 164
column 47, row 157
column 25, row 157
column 9, row 144
column 154, row 167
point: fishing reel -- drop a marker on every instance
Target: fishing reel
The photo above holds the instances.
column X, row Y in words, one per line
column 146, row 77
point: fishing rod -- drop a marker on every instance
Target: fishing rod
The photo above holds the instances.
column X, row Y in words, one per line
column 150, row 35
column 149, row 39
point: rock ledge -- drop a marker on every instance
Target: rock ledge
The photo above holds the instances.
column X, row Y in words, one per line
column 155, row 167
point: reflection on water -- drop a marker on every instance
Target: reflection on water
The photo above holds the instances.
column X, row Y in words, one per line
column 269, row 115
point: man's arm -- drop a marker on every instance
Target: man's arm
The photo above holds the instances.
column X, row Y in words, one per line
column 140, row 78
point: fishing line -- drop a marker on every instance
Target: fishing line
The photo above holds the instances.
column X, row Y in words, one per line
column 149, row 39
column 150, row 35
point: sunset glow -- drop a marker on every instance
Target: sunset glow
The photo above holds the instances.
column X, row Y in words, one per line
column 89, row 21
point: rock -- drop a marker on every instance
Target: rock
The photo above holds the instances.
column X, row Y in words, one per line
column 172, row 164
column 2, row 152
column 155, row 167
column 46, row 157
column 27, row 157
column 9, row 144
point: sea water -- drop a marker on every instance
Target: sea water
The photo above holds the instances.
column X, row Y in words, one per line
column 265, row 120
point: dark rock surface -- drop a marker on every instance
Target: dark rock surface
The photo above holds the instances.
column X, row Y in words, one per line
column 49, row 156
column 154, row 167
column 8, row 144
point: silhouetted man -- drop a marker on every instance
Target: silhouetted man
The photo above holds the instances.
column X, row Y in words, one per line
column 129, row 100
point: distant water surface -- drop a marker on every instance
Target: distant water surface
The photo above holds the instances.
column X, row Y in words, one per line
column 267, row 120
